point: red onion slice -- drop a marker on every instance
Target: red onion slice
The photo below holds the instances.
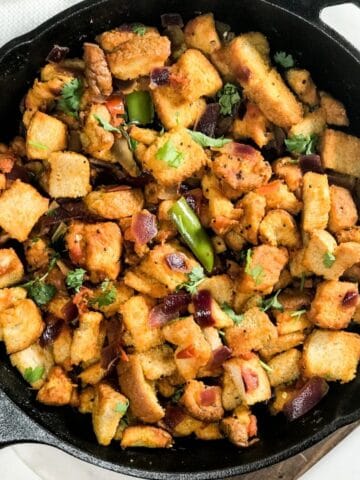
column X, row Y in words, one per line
column 306, row 399
column 251, row 379
column 176, row 302
column 159, row 76
column 311, row 163
column 158, row 317
column 194, row 199
column 208, row 396
column 69, row 311
column 57, row 54
column 143, row 227
column 169, row 19
column 202, row 304
column 350, row 299
column 51, row 331
column 219, row 356
column 208, row 120
column 177, row 262
column 174, row 414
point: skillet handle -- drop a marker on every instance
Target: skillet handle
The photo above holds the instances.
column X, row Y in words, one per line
column 17, row 427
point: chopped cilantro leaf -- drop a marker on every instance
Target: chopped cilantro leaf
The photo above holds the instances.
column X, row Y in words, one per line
column 228, row 97
column 133, row 143
column 284, row 59
column 32, row 375
column 38, row 145
column 40, row 292
column 205, row 141
column 328, row 259
column 302, row 144
column 107, row 295
column 178, row 394
column 272, row 302
column 168, row 154
column 121, row 407
column 69, row 101
column 75, row 278
column 195, row 277
column 139, row 29
column 106, row 125
column 236, row 318
column 256, row 272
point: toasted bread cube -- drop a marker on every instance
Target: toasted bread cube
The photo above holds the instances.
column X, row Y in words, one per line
column 10, row 296
column 297, row 268
column 302, row 84
column 108, row 409
column 200, row 33
column 334, row 110
column 329, row 309
column 209, row 431
column 11, row 268
column 285, row 367
column 331, row 355
column 210, row 411
column 67, row 175
column 240, row 427
column 278, row 228
column 21, row 206
column 253, row 206
column 349, row 235
column 21, row 325
column 86, row 400
column 291, row 321
column 139, row 55
column 278, row 195
column 115, row 205
column 97, row 247
column 123, row 293
column 33, row 360
column 61, row 348
column 282, row 343
column 231, row 397
column 253, row 333
column 191, row 157
column 45, row 135
column 112, row 39
column 286, row 170
column 93, row 375
column 253, row 125
column 143, row 401
column 146, row 437
column 316, row 198
column 262, row 84
column 143, row 135
column 57, row 389
column 87, row 341
column 320, row 244
column 282, row 395
column 313, row 123
column 343, row 212
column 37, row 253
column 158, row 362
column 95, row 140
column 220, row 287
column 145, row 284
column 341, row 152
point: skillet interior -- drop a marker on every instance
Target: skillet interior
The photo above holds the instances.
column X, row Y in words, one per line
column 336, row 71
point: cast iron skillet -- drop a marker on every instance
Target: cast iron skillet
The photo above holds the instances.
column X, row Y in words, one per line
column 291, row 25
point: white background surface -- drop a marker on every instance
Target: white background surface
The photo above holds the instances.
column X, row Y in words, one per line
column 33, row 462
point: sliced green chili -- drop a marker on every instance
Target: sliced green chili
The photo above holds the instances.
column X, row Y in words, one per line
column 140, row 108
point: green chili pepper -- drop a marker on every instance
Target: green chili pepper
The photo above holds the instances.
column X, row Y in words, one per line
column 140, row 108
column 193, row 233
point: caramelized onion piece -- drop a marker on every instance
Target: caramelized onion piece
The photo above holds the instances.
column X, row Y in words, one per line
column 143, row 227
column 311, row 163
column 57, row 54
column 51, row 331
column 176, row 302
column 208, row 120
column 350, row 299
column 202, row 304
column 159, row 76
column 177, row 262
column 306, row 399
column 219, row 356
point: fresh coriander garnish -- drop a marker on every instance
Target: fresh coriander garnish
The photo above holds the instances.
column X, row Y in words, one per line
column 284, row 59
column 195, row 277
column 302, row 144
column 265, row 366
column 134, row 144
column 69, row 101
column 121, row 407
column 205, row 141
column 328, row 259
column 75, row 278
column 139, row 29
column 51, row 212
column 228, row 97
column 107, row 295
column 38, row 290
column 257, row 272
column 302, row 282
column 297, row 313
column 235, row 317
column 33, row 375
column 272, row 302
column 38, row 145
column 178, row 394
column 168, row 154
column 105, row 124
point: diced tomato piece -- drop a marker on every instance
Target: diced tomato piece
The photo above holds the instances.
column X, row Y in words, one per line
column 116, row 107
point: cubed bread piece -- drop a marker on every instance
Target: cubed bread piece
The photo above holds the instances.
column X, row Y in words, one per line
column 86, row 400
column 139, row 55
column 37, row 253
column 67, row 175
column 221, row 288
column 282, row 343
column 291, row 321
column 320, row 245
column 302, row 84
column 334, row 110
column 143, row 401
column 231, row 396
column 21, row 325
column 262, row 84
column 115, row 205
column 316, row 198
column 313, row 123
column 122, row 293
column 297, row 267
column 11, row 268
column 200, row 33
column 291, row 173
column 96, row 247
column 202, row 402
column 253, row 125
column 331, row 355
column 174, row 157
column 157, row 362
column 10, row 296
column 145, row 436
column 143, row 135
column 253, row 333
column 145, row 284
column 240, row 427
column 95, row 140
column 349, row 235
column 285, row 367
column 278, row 195
column 93, row 375
column 209, row 431
column 112, row 39
column 87, row 340
column 61, row 347
column 253, row 206
column 334, row 304
column 57, row 389
column 45, row 135
column 341, row 152
column 21, row 206
column 343, row 212
column 278, row 228
column 34, row 363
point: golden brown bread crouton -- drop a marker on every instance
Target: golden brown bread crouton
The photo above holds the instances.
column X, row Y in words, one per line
column 253, row 333
column 285, row 367
column 143, row 402
column 241, row 167
column 334, row 110
column 231, row 396
column 316, row 198
column 202, row 402
column 282, row 395
column 95, row 140
column 21, row 206
column 331, row 355
column 278, row 195
column 297, row 267
column 145, row 436
column 87, row 340
column 37, row 253
column 313, row 123
column 220, row 287
column 340, row 152
column 108, row 409
column 41, row 97
column 293, row 299
column 282, row 343
column 240, row 427
column 349, row 235
column 278, row 228
column 21, row 325
column 145, row 284
column 302, row 84
column 122, row 293
column 291, row 173
column 45, row 135
column 174, row 146
column 253, row 206
column 112, row 39
column 291, row 321
column 200, row 33
column 11, row 268
column 97, row 72
column 334, row 304
column 343, row 212
column 157, row 362
column 321, row 244
column 193, row 351
column 209, row 431
column 115, row 205
column 67, row 175
column 61, row 347
column 34, row 363
column 97, row 247
column 10, row 296
column 57, row 388
column 86, row 400
column 139, row 55
column 263, row 269
column 253, row 125
column 143, row 135
column 93, row 374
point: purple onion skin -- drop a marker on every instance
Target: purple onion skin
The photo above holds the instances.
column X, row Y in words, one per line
column 176, row 302
column 176, row 262
column 57, row 54
column 306, row 399
column 350, row 299
column 51, row 332
column 160, row 76
column 208, row 120
column 311, row 163
column 202, row 303
column 169, row 19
